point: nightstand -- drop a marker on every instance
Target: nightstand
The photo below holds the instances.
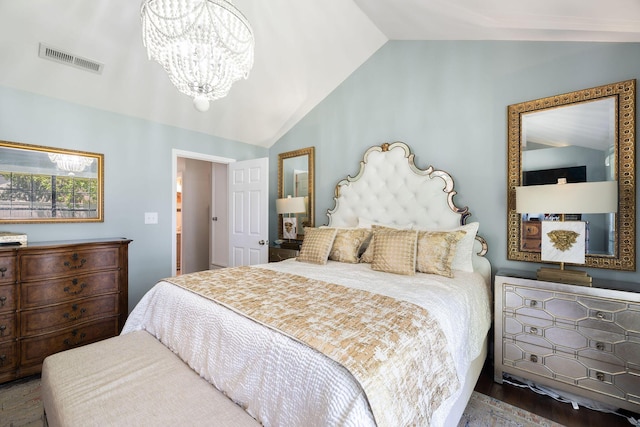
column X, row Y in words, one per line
column 280, row 253
column 579, row 339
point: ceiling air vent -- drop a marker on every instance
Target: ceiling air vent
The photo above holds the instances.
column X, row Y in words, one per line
column 57, row 55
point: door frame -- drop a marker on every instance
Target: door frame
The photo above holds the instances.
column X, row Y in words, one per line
column 175, row 153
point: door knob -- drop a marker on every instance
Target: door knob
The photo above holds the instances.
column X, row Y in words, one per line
column 263, row 242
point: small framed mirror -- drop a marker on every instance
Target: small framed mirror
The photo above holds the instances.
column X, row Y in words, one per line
column 296, row 179
column 43, row 184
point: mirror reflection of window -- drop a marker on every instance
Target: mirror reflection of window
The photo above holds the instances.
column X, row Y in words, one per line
column 49, row 184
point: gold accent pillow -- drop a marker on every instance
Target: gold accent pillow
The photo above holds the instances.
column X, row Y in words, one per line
column 316, row 245
column 367, row 256
column 436, row 251
column 463, row 259
column 394, row 251
column 346, row 246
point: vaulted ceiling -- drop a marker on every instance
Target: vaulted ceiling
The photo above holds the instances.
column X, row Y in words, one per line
column 304, row 49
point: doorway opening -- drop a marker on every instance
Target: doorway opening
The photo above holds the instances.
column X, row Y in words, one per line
column 200, row 211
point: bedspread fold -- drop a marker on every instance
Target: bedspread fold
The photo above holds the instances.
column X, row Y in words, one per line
column 383, row 342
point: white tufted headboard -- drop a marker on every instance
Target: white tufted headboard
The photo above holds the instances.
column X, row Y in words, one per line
column 390, row 189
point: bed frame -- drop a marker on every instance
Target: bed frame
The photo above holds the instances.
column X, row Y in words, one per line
column 391, row 189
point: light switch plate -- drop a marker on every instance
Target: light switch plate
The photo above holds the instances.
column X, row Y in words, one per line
column 151, row 217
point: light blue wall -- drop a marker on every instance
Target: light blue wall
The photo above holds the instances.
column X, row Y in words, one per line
column 137, row 173
column 448, row 101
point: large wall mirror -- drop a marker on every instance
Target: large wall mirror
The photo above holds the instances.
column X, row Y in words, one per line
column 43, row 184
column 582, row 136
column 296, row 179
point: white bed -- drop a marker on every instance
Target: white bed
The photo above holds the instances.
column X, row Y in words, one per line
column 278, row 379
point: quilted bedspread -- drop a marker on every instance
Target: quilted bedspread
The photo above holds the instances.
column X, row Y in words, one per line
column 280, row 376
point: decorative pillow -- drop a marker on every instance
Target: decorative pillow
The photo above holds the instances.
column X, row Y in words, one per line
column 436, row 250
column 346, row 246
column 394, row 251
column 317, row 245
column 463, row 259
column 367, row 256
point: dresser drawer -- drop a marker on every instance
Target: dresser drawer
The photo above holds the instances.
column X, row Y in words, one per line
column 47, row 264
column 8, row 356
column 593, row 312
column 7, row 268
column 34, row 350
column 42, row 320
column 8, row 300
column 610, row 377
column 7, row 326
column 36, row 294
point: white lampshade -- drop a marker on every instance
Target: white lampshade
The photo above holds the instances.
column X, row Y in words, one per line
column 575, row 198
column 290, row 205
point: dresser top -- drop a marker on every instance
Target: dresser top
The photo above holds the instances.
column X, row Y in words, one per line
column 67, row 243
column 617, row 285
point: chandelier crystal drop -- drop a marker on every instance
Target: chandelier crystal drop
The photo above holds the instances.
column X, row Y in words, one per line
column 204, row 45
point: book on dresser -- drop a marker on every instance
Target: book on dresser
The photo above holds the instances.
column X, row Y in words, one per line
column 578, row 339
column 55, row 296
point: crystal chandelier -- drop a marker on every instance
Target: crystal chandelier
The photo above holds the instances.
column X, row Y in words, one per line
column 204, row 45
column 69, row 162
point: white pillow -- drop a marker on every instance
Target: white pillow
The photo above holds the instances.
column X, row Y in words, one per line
column 463, row 259
column 367, row 223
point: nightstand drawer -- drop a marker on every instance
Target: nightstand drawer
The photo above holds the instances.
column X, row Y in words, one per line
column 609, row 377
column 280, row 254
column 592, row 312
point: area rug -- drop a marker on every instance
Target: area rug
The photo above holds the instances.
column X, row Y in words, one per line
column 20, row 403
column 21, row 406
column 485, row 411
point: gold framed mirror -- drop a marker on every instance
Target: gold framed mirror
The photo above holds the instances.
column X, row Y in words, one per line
column 588, row 135
column 43, row 184
column 296, row 174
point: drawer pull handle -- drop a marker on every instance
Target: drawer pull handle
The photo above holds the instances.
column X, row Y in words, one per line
column 533, row 358
column 75, row 257
column 600, row 315
column 3, row 270
column 74, row 282
column 600, row 346
column 2, row 329
column 68, row 341
column 599, row 376
column 74, row 307
column 533, row 330
column 3, row 358
column 533, row 303
column 3, row 300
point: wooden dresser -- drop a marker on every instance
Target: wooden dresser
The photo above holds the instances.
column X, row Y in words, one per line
column 59, row 295
column 579, row 339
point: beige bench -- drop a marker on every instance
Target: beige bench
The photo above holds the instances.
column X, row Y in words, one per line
column 132, row 380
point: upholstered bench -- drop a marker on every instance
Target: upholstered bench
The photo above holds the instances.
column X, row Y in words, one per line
column 132, row 380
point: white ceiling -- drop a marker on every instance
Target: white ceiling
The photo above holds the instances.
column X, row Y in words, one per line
column 304, row 50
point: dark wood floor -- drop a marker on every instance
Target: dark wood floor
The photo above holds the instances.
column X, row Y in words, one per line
column 545, row 406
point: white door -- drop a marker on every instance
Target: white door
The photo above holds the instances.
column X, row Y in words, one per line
column 248, row 212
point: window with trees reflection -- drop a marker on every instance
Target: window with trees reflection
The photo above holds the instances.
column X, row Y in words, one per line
column 47, row 196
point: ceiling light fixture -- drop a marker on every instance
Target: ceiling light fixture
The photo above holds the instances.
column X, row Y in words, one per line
column 70, row 162
column 204, row 45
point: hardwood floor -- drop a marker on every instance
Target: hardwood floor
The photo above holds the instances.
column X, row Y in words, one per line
column 546, row 406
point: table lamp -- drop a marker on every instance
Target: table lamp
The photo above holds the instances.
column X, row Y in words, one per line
column 564, row 241
column 290, row 205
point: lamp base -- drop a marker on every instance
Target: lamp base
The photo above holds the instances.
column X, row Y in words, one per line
column 572, row 277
